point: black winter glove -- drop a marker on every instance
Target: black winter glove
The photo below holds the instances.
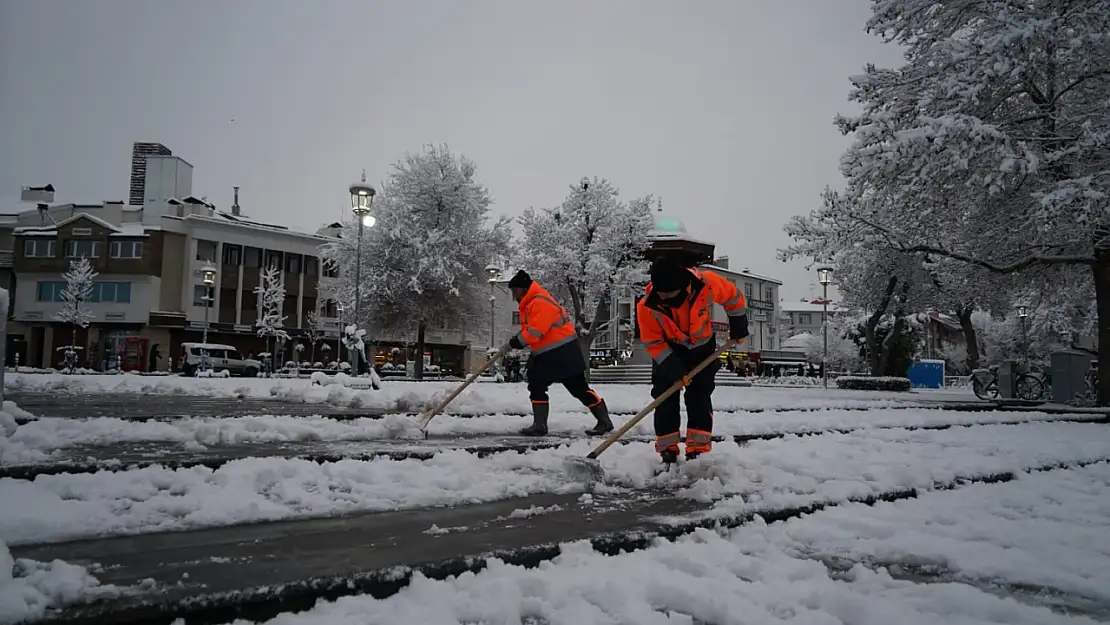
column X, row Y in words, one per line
column 738, row 327
column 671, row 369
column 515, row 342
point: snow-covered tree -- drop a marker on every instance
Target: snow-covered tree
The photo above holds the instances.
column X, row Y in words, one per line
column 315, row 333
column 586, row 249
column 76, row 294
column 424, row 259
column 271, row 300
column 990, row 145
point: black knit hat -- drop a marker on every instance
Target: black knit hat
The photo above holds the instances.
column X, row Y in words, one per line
column 667, row 275
column 520, row 281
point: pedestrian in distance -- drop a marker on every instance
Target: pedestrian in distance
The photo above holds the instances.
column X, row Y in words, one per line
column 547, row 329
column 675, row 323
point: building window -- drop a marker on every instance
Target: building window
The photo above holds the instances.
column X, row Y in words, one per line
column 82, row 248
column 112, row 292
column 38, row 248
column 252, row 257
column 233, row 255
column 330, row 309
column 273, row 260
column 293, row 263
column 770, row 297
column 516, row 318
column 805, row 319
column 311, row 267
column 50, row 291
column 127, row 249
column 331, row 268
column 200, row 296
column 206, row 250
column 748, row 290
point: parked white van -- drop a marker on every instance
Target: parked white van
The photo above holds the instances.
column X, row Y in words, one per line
column 220, row 357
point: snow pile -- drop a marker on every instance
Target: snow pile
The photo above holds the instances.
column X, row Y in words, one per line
column 29, row 588
column 39, row 440
column 1047, row 530
column 762, row 475
column 478, row 399
column 740, row 577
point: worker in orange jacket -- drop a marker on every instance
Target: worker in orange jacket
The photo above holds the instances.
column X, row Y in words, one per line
column 675, row 323
column 546, row 328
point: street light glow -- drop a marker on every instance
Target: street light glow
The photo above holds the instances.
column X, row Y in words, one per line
column 824, row 275
column 369, row 220
column 1023, row 312
column 362, row 197
column 208, row 275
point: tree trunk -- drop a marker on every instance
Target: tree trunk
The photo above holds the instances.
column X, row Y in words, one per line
column 970, row 338
column 871, row 346
column 418, row 366
column 1101, row 270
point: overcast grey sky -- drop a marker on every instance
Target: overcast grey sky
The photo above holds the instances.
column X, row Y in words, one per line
column 722, row 107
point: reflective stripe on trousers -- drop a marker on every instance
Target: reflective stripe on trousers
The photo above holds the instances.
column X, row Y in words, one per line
column 698, row 440
column 667, row 441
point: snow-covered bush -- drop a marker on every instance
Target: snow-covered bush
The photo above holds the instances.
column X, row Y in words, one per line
column 878, row 383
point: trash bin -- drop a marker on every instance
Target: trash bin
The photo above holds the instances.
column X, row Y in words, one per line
column 927, row 374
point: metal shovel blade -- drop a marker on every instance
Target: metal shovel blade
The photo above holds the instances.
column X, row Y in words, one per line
column 584, row 469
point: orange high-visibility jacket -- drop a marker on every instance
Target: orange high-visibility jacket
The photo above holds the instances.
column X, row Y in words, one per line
column 689, row 325
column 544, row 324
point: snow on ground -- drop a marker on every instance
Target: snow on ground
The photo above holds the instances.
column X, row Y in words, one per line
column 1047, row 530
column 761, row 475
column 477, row 399
column 38, row 441
column 29, row 588
column 763, row 574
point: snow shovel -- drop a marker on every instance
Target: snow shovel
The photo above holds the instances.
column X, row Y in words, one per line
column 589, row 469
column 428, row 416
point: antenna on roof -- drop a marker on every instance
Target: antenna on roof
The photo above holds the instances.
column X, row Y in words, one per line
column 364, row 175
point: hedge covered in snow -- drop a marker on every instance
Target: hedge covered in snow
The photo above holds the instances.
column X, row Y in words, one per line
column 877, row 383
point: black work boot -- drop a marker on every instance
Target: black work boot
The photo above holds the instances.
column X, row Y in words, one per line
column 539, row 420
column 604, row 423
column 669, row 456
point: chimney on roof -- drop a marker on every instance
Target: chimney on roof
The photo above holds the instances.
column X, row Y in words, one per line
column 721, row 262
column 235, row 202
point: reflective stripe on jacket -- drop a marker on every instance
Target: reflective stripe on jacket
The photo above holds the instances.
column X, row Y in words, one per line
column 544, row 324
column 690, row 324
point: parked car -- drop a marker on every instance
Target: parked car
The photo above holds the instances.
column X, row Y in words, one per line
column 220, row 357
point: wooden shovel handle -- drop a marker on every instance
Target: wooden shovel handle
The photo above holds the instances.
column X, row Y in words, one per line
column 473, row 376
column 685, row 381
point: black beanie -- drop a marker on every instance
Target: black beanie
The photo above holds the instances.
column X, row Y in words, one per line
column 520, row 281
column 667, row 275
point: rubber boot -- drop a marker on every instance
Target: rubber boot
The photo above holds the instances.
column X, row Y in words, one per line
column 669, row 456
column 604, row 423
column 539, row 420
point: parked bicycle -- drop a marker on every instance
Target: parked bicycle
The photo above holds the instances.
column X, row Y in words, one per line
column 984, row 382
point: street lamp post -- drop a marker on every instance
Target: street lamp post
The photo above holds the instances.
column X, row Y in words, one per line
column 362, row 197
column 824, row 276
column 491, row 272
column 339, row 308
column 1023, row 312
column 208, row 277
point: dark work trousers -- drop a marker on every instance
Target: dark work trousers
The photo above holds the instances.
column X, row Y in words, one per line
column 576, row 385
column 699, row 395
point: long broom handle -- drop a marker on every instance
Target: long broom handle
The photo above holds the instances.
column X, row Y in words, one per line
column 428, row 416
column 685, row 381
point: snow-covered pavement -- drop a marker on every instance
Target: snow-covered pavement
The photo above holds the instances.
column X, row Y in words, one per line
column 479, row 399
column 1049, row 533
column 790, row 471
column 821, row 449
